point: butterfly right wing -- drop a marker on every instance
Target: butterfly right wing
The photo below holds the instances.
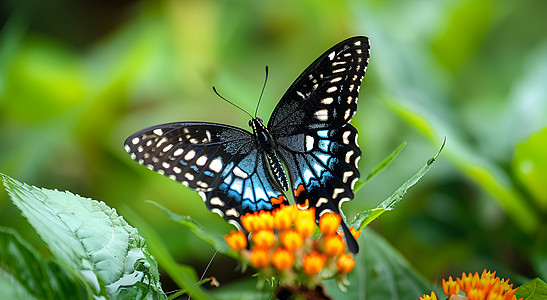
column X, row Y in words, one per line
column 221, row 162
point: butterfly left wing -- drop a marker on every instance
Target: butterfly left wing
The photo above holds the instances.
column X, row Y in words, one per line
column 310, row 127
column 221, row 162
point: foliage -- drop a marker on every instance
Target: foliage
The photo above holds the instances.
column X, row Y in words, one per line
column 95, row 250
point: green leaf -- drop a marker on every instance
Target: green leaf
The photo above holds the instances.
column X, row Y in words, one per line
column 530, row 166
column 363, row 218
column 11, row 288
column 534, row 290
column 383, row 164
column 380, row 273
column 34, row 274
column 91, row 239
column 216, row 240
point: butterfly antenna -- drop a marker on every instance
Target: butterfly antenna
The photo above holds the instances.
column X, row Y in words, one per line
column 215, row 90
column 262, row 92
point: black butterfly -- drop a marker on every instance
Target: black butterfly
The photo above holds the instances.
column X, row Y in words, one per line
column 237, row 172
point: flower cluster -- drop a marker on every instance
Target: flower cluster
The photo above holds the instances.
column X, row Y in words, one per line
column 474, row 287
column 281, row 245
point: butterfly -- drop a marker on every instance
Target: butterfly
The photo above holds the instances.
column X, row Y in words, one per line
column 237, row 172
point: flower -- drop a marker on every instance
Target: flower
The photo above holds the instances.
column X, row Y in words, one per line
column 329, row 222
column 475, row 287
column 264, row 238
column 428, row 297
column 236, row 240
column 260, row 257
column 304, row 222
column 282, row 258
column 314, row 262
column 345, row 263
column 283, row 217
column 291, row 240
column 283, row 245
column 334, row 245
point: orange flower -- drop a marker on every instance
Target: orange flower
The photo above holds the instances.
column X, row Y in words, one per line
column 265, row 220
column 345, row 263
column 314, row 262
column 249, row 221
column 304, row 222
column 283, row 217
column 329, row 222
column 282, row 258
column 450, row 287
column 260, row 257
column 263, row 238
column 236, row 240
column 475, row 287
column 334, row 245
column 291, row 240
column 428, row 297
column 356, row 233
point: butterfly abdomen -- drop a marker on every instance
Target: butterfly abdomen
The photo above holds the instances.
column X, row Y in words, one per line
column 266, row 144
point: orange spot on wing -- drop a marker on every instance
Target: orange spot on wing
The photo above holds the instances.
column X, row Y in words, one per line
column 299, row 190
column 278, row 200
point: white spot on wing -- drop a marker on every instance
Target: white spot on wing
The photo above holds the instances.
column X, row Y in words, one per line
column 322, row 115
column 190, row 155
column 178, row 152
column 135, row 140
column 202, row 160
column 347, row 175
column 309, row 142
column 347, row 114
column 331, row 55
column 189, row 176
column 158, row 131
column 127, row 148
column 327, row 100
column 216, row 165
column 232, row 212
column 239, row 173
column 345, row 137
column 321, row 201
column 348, row 156
column 216, row 201
column 336, row 192
column 332, row 89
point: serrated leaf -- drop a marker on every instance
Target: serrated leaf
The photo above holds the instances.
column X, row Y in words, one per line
column 36, row 275
column 90, row 238
column 216, row 240
column 534, row 290
column 383, row 164
column 365, row 217
column 380, row 273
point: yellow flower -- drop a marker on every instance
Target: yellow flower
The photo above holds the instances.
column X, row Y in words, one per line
column 334, row 245
column 450, row 287
column 345, row 263
column 282, row 258
column 291, row 240
column 314, row 262
column 264, row 238
column 236, row 240
column 260, row 257
column 329, row 222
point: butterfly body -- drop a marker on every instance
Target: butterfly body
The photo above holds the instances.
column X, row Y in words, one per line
column 238, row 172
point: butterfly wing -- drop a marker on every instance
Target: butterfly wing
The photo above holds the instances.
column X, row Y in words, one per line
column 221, row 162
column 310, row 127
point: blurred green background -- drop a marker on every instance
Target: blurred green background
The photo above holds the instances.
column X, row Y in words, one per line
column 78, row 77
